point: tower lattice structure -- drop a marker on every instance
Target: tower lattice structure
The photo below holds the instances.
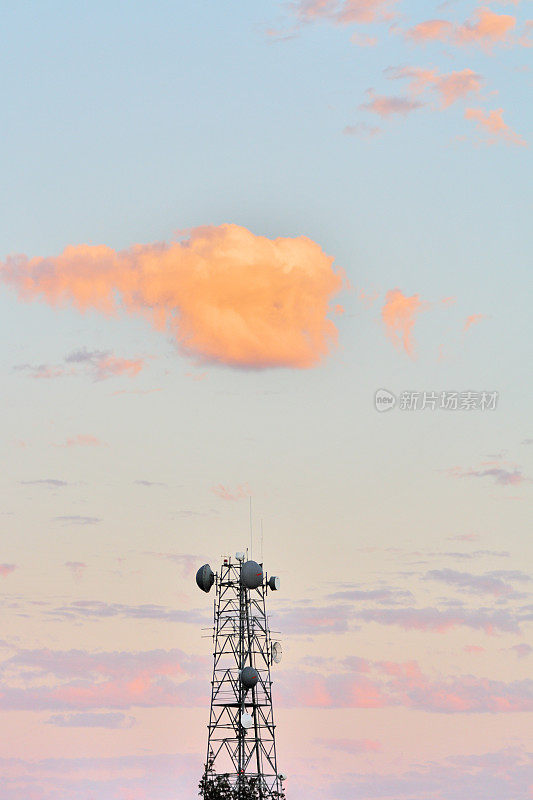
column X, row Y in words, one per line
column 241, row 730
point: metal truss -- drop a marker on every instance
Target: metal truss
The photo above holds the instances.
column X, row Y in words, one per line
column 241, row 638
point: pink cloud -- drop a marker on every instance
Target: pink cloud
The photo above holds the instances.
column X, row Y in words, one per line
column 500, row 475
column 120, row 681
column 7, row 569
column 473, row 319
column 98, row 364
column 485, row 29
column 45, row 371
column 398, row 315
column 362, row 129
column 241, row 491
column 449, row 87
column 404, row 684
column 111, row 365
column 430, row 30
column 473, row 648
column 114, row 680
column 492, row 123
column 345, row 12
column 82, row 440
column 385, row 106
column 363, row 41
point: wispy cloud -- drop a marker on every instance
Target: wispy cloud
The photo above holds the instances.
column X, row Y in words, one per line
column 473, row 319
column 96, row 609
column 362, row 129
column 438, row 620
column 81, row 440
column 485, row 29
column 103, row 364
column 387, row 595
column 51, row 483
column 398, row 315
column 224, row 492
column 77, row 519
column 500, row 475
column 492, row 124
column 44, row 371
column 491, row 583
column 345, row 12
column 404, row 684
column 107, row 680
column 77, row 568
column 7, row 569
column 386, row 106
column 97, row 364
column 449, row 87
column 113, row 720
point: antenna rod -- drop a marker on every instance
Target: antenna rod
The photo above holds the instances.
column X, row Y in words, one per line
column 251, row 532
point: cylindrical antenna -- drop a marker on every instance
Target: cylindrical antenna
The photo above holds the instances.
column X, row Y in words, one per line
column 261, row 540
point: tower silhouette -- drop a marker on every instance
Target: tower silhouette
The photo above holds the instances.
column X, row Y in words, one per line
column 241, row 731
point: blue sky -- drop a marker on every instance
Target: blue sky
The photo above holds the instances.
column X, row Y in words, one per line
column 137, row 123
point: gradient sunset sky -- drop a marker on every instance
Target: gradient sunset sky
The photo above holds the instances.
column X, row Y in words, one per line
column 224, row 227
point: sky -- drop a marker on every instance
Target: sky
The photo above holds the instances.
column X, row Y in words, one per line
column 276, row 251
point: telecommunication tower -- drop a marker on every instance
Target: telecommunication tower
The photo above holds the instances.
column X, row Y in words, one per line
column 241, row 739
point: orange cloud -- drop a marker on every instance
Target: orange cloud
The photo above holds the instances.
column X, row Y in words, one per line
column 484, row 28
column 473, row 319
column 492, row 123
column 450, row 87
column 398, row 315
column 226, row 295
column 430, row 30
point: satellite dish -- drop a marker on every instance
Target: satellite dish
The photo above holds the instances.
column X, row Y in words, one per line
column 249, row 677
column 282, row 776
column 274, row 583
column 251, row 575
column 239, row 556
column 205, row 578
column 247, row 720
column 276, row 652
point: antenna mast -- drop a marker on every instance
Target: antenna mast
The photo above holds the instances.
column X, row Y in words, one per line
column 241, row 731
